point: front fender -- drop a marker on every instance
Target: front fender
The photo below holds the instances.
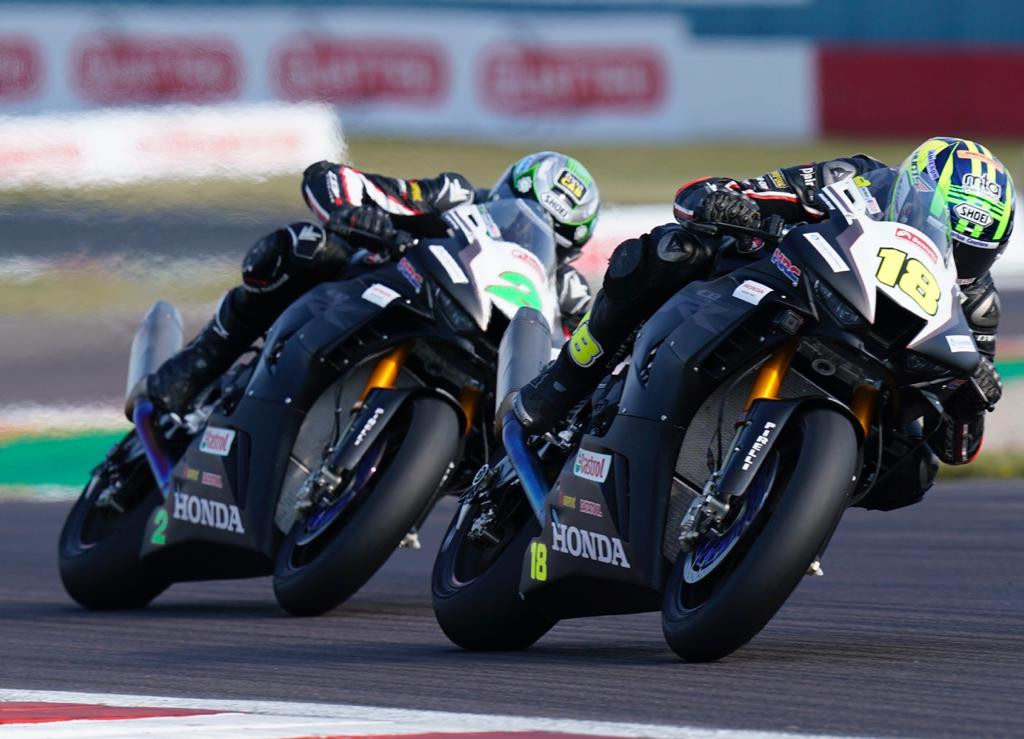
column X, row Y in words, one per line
column 762, row 430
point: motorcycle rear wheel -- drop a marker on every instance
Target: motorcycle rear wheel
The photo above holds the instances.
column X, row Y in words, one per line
column 707, row 620
column 98, row 550
column 476, row 588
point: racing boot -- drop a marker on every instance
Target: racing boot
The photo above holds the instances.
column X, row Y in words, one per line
column 547, row 399
column 178, row 380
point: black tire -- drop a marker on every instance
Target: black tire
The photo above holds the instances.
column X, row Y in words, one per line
column 309, row 584
column 476, row 591
column 98, row 550
column 818, row 454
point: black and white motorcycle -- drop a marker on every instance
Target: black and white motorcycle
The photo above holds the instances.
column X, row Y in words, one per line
column 314, row 459
column 706, row 474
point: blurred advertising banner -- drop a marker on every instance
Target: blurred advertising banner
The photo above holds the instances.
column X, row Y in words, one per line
column 439, row 72
column 184, row 141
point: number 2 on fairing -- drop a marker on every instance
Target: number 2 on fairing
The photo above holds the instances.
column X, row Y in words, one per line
column 914, row 278
column 538, row 561
column 160, row 521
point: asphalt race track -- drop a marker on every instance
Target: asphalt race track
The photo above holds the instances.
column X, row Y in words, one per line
column 917, row 628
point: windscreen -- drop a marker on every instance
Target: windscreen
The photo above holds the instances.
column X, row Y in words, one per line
column 525, row 223
column 916, row 200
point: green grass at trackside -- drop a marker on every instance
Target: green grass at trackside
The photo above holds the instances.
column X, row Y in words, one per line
column 51, row 461
column 625, row 173
column 1001, row 465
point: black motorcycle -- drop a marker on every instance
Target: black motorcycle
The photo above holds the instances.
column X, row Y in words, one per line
column 706, row 474
column 316, row 457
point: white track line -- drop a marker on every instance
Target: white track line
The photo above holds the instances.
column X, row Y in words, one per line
column 248, row 718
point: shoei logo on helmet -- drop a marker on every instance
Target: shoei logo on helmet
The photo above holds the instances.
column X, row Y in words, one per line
column 147, row 69
column 349, row 70
column 973, row 213
column 555, row 202
column 982, row 186
column 21, row 68
column 217, row 441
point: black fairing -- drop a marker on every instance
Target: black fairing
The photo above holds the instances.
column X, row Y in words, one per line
column 303, row 353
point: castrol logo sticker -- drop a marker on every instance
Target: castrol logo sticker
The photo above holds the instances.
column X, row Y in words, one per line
column 360, row 71
column 217, row 441
column 528, row 79
column 21, row 68
column 144, row 69
column 592, row 466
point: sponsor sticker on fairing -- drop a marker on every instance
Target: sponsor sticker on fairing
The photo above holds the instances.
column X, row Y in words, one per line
column 751, row 292
column 584, row 544
column 217, row 441
column 786, row 266
column 447, row 261
column 960, row 343
column 826, row 251
column 205, row 512
column 380, row 295
column 592, row 466
column 591, row 508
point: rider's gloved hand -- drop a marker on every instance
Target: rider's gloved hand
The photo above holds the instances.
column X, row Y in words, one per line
column 446, row 191
column 726, row 206
column 362, row 225
column 979, row 394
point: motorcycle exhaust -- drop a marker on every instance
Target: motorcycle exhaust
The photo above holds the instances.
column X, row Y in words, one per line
column 524, row 351
column 159, row 336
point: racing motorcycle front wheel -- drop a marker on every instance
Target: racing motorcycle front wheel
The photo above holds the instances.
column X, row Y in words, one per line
column 724, row 591
column 99, row 546
column 332, row 551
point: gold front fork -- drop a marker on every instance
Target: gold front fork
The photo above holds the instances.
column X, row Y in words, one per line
column 865, row 400
column 769, row 377
column 386, row 371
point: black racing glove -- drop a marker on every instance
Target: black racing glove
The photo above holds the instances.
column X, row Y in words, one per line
column 979, row 394
column 726, row 206
column 363, row 225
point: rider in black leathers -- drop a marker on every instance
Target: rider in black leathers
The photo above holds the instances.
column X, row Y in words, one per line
column 362, row 210
column 644, row 272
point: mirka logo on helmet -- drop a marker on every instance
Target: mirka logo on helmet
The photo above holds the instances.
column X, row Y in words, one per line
column 572, row 185
column 206, row 512
column 217, row 441
column 592, row 466
column 148, row 69
column 21, row 67
column 583, row 544
column 349, row 70
column 973, row 213
column 525, row 78
column 982, row 186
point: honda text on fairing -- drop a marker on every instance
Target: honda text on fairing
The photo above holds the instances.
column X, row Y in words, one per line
column 708, row 471
column 315, row 458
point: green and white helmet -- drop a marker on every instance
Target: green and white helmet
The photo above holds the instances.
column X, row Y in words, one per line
column 562, row 186
column 979, row 193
